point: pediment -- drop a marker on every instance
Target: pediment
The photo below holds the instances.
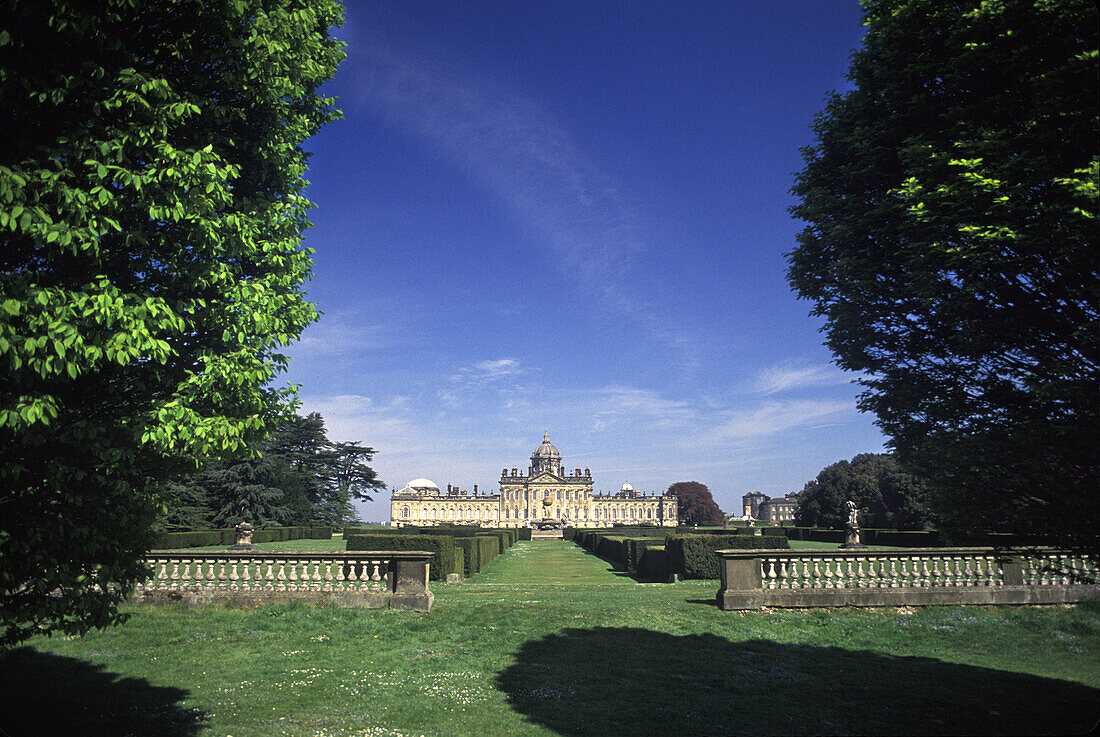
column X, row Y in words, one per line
column 546, row 478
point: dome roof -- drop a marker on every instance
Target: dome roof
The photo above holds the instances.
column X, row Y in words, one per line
column 627, row 487
column 421, row 484
column 546, row 450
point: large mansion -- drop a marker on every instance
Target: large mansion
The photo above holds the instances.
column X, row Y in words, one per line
column 545, row 492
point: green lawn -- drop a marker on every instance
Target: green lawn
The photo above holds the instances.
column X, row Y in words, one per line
column 550, row 640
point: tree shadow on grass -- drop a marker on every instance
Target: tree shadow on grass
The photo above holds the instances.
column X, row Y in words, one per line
column 637, row 682
column 47, row 694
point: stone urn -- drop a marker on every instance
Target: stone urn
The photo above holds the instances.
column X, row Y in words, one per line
column 244, row 539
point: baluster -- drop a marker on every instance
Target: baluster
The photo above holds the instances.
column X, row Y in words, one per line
column 174, row 579
column 994, row 571
column 162, row 577
column 784, row 575
column 258, row 575
column 375, row 578
column 315, row 579
column 280, row 577
column 340, row 579
column 292, row 563
column 966, row 573
column 328, row 576
column 921, row 567
column 234, row 577
column 354, row 569
column 951, row 576
column 269, row 577
column 1063, row 565
column 828, row 563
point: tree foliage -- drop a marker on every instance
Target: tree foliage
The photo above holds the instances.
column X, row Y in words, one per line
column 887, row 496
column 951, row 246
column 150, row 264
column 695, row 505
column 297, row 477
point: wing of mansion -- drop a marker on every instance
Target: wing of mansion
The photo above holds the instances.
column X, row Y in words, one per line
column 545, row 492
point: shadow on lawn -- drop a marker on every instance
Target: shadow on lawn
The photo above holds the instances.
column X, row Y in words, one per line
column 48, row 694
column 628, row 681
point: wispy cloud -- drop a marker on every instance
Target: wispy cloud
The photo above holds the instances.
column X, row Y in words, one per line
column 772, row 419
column 530, row 161
column 789, row 376
column 344, row 334
column 484, row 372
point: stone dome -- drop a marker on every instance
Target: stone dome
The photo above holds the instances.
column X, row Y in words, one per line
column 546, row 450
column 627, row 487
column 421, row 485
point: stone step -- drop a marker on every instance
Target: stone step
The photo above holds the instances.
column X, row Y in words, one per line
column 546, row 535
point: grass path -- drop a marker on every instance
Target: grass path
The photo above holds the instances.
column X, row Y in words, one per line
column 549, row 563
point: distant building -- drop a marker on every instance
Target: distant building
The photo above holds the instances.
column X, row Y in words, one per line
column 545, row 492
column 751, row 504
column 762, row 507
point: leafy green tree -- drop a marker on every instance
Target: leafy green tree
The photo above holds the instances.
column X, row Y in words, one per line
column 951, row 246
column 695, row 505
column 886, row 495
column 151, row 265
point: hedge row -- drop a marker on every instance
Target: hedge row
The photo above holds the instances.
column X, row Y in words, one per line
column 446, row 555
column 515, row 533
column 691, row 554
column 453, row 549
column 204, row 538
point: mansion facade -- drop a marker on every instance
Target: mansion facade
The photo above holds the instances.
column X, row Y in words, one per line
column 759, row 506
column 545, row 492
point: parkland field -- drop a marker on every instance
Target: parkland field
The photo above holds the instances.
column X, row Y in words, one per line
column 551, row 640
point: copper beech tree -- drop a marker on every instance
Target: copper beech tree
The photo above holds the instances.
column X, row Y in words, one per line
column 151, row 213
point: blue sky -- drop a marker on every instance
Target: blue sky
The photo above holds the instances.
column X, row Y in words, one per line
column 572, row 217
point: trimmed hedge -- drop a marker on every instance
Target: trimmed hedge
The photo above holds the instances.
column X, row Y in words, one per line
column 477, row 551
column 204, row 538
column 693, row 556
column 446, row 557
column 654, row 564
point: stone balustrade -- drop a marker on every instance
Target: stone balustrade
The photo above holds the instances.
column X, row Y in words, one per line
column 369, row 579
column 752, row 579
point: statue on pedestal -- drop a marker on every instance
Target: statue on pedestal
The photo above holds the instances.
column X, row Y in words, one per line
column 851, row 528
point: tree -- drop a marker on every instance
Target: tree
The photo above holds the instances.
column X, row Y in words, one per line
column 151, row 265
column 695, row 505
column 350, row 478
column 887, row 496
column 950, row 199
column 296, row 477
